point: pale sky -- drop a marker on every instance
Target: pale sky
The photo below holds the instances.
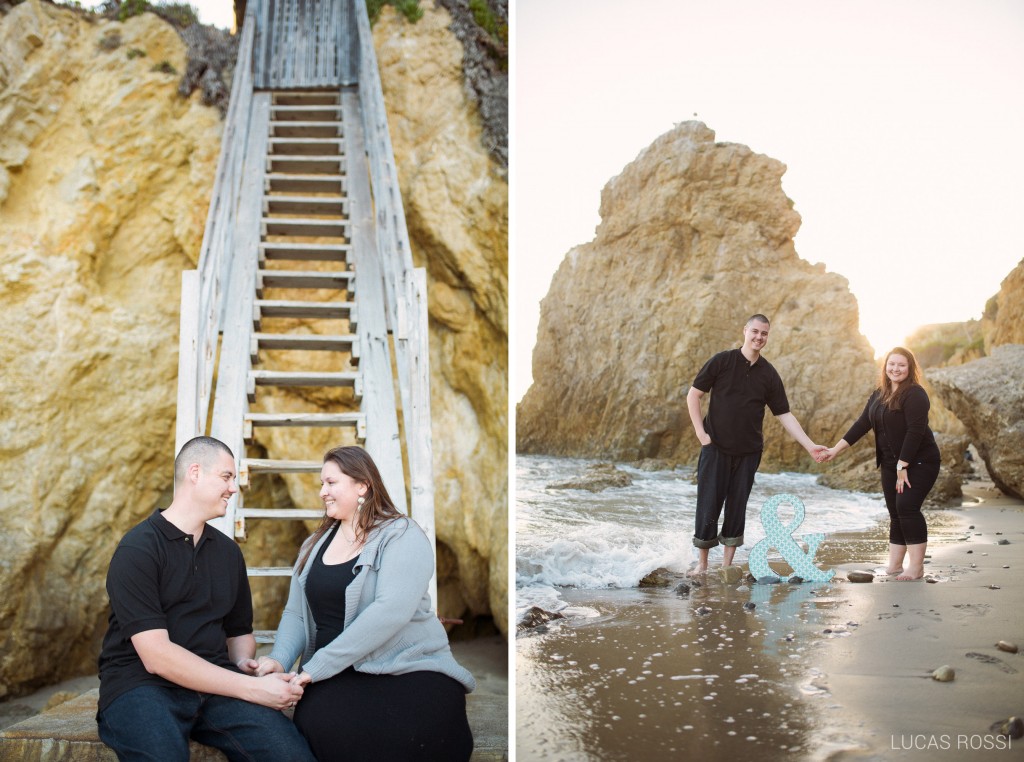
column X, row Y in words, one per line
column 217, row 12
column 901, row 123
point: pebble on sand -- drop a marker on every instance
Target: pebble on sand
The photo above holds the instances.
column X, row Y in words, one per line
column 731, row 574
column 944, row 674
column 1012, row 727
column 1005, row 645
column 860, row 576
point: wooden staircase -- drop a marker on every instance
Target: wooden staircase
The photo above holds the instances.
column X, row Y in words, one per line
column 305, row 280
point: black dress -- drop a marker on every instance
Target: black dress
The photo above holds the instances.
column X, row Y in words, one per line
column 357, row 717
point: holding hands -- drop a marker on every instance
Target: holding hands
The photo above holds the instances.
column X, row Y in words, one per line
column 290, row 683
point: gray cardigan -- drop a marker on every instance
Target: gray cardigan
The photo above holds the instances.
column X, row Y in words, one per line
column 389, row 627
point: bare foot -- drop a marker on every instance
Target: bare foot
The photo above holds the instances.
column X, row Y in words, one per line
column 701, row 569
column 911, row 574
column 894, row 572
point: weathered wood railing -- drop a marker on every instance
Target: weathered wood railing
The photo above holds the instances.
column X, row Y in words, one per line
column 405, row 286
column 202, row 290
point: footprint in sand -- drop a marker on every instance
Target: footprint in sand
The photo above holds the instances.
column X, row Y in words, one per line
column 889, row 615
column 977, row 609
column 993, row 661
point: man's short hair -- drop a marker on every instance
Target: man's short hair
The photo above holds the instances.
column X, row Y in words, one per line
column 759, row 318
column 201, row 450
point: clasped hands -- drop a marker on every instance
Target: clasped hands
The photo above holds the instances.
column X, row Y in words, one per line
column 283, row 689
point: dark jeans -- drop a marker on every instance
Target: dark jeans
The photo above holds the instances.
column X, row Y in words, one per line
column 723, row 480
column 154, row 723
column 906, row 522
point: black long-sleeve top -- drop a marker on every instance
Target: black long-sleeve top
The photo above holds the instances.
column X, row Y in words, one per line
column 906, row 429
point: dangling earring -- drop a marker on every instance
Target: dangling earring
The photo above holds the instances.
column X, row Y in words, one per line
column 359, row 503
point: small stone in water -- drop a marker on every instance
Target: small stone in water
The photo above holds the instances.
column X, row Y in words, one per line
column 1003, row 542
column 970, row 551
column 944, row 674
column 749, row 606
column 795, row 580
column 1005, row 645
column 703, row 611
column 860, row 576
column 994, row 587
column 768, row 580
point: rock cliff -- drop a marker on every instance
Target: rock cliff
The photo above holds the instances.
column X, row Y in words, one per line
column 105, row 176
column 987, row 395
column 1003, row 319
column 695, row 236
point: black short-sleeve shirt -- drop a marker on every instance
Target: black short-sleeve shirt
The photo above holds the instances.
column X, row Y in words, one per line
column 739, row 393
column 160, row 580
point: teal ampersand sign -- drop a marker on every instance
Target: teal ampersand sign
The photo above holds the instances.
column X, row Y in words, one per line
column 781, row 537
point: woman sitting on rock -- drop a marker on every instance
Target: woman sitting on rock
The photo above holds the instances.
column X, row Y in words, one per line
column 906, row 451
column 380, row 680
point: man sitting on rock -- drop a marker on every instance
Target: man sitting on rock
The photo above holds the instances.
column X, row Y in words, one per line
column 743, row 383
column 177, row 660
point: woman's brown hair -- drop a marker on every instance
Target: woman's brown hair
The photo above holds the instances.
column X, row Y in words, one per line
column 377, row 507
column 893, row 399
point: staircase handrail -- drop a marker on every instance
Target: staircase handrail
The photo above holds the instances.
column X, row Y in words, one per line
column 404, row 285
column 202, row 293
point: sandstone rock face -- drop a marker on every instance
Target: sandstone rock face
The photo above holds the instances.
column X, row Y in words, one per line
column 988, row 396
column 695, row 236
column 105, row 179
column 456, row 206
column 1003, row 320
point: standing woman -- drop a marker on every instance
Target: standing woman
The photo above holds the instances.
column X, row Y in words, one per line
column 906, row 451
column 380, row 680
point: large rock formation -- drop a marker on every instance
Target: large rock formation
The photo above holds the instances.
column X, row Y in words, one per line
column 695, row 236
column 988, row 396
column 1003, row 320
column 456, row 207
column 97, row 154
column 105, row 176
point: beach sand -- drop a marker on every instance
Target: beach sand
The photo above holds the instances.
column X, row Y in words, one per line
column 818, row 671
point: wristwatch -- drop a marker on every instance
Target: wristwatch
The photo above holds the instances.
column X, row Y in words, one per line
column 900, row 468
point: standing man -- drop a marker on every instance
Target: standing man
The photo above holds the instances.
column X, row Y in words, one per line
column 177, row 660
column 731, row 439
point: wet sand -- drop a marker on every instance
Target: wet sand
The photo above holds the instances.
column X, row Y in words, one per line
column 819, row 671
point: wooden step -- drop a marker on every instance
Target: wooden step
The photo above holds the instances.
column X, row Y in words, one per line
column 343, row 280
column 264, row 308
column 280, row 182
column 306, row 165
column 305, row 252
column 281, row 513
column 305, row 205
column 293, row 129
column 303, row 378
column 249, row 467
column 305, row 146
column 304, row 227
column 269, row 571
column 305, row 113
column 305, row 341
column 319, row 420
column 306, row 98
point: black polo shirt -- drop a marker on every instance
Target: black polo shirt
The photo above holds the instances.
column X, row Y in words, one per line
column 739, row 393
column 158, row 580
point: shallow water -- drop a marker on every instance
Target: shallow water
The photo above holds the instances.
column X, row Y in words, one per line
column 648, row 678
column 613, row 538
